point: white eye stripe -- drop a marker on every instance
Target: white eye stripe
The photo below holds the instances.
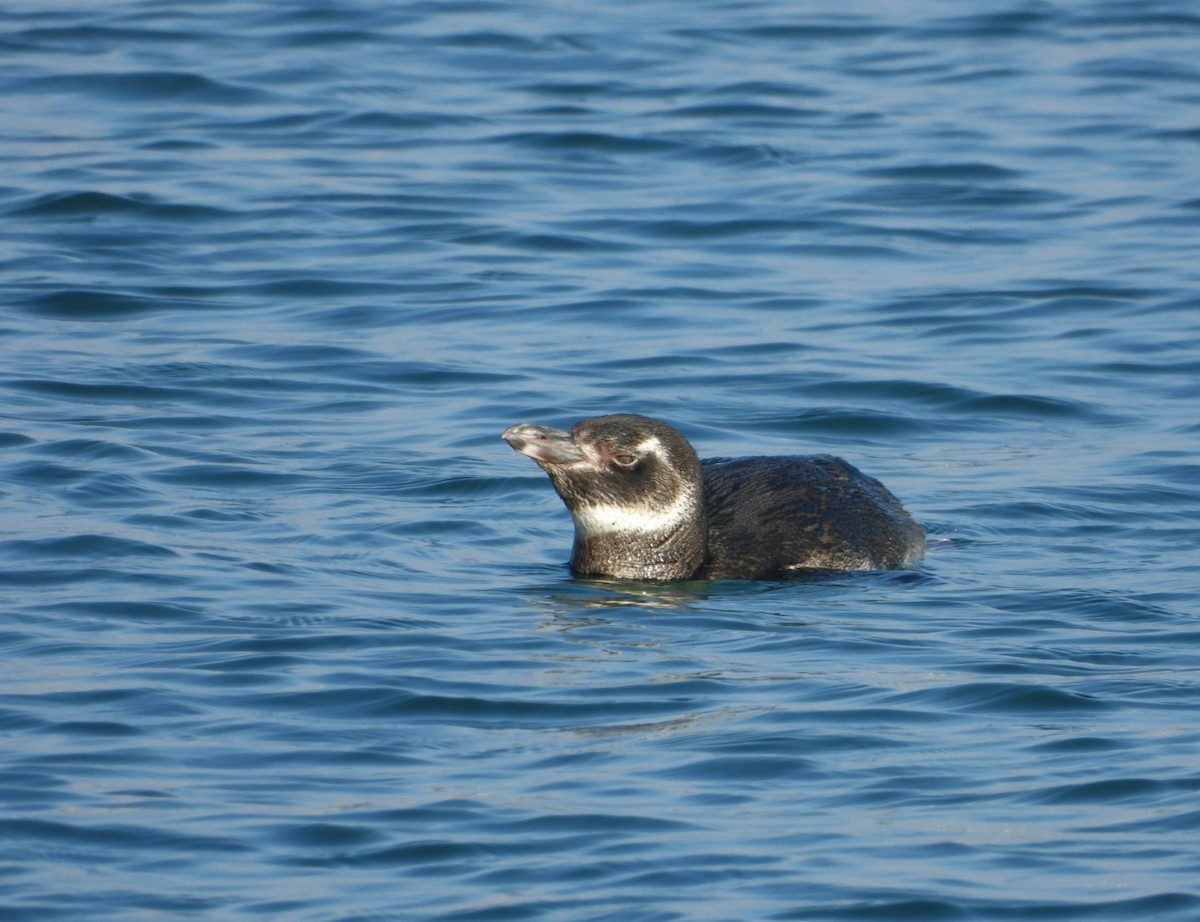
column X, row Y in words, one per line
column 648, row 446
column 605, row 518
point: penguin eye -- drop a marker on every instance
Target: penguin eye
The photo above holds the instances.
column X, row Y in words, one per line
column 625, row 459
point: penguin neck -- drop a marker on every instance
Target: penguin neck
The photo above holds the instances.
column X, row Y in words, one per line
column 635, row 543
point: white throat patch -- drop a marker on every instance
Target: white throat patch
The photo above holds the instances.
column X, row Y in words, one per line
column 607, row 518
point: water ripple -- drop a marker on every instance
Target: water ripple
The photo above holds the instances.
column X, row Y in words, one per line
column 290, row 631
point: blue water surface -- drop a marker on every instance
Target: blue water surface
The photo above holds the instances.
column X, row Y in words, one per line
column 288, row 632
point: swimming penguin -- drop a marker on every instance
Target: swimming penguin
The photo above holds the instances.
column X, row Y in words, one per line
column 646, row 507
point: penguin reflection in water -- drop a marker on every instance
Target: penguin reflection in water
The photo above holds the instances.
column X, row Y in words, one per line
column 647, row 508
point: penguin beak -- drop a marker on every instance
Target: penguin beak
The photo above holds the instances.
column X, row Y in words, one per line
column 544, row 444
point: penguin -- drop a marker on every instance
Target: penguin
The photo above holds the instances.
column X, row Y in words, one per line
column 646, row 507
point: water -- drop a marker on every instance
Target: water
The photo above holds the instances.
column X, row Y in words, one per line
column 288, row 631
